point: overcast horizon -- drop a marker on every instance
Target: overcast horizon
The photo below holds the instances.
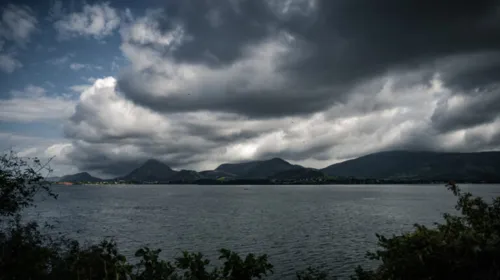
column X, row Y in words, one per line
column 104, row 86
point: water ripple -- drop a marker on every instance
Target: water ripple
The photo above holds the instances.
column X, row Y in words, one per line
column 297, row 226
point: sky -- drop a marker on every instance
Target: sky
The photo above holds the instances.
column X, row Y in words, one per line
column 103, row 86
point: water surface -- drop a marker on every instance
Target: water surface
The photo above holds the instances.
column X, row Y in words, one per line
column 330, row 225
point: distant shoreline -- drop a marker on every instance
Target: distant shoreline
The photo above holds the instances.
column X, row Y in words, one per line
column 276, row 184
column 391, row 167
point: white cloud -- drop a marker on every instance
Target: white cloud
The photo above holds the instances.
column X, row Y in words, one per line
column 18, row 23
column 80, row 66
column 79, row 88
column 8, row 63
column 178, row 109
column 145, row 30
column 109, row 128
column 55, row 149
column 29, row 152
column 61, row 60
column 124, row 114
column 159, row 79
column 32, row 105
column 107, row 125
column 50, row 84
column 29, row 91
column 377, row 115
column 102, row 114
column 114, row 66
column 77, row 66
column 35, row 109
column 22, row 142
column 98, row 21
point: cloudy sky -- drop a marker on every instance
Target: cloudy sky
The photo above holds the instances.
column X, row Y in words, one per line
column 103, row 86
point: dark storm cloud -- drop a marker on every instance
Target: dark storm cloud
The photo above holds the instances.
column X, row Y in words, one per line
column 473, row 82
column 96, row 157
column 478, row 141
column 477, row 78
column 378, row 33
column 316, row 152
column 241, row 23
column 212, row 133
column 102, row 163
column 311, row 82
column 374, row 36
column 259, row 104
column 473, row 108
column 342, row 42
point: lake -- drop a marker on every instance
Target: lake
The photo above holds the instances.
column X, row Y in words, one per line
column 330, row 226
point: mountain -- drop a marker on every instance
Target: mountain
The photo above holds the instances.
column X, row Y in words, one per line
column 79, row 177
column 238, row 169
column 392, row 165
column 151, row 170
column 215, row 174
column 185, row 176
column 257, row 169
column 421, row 165
column 298, row 174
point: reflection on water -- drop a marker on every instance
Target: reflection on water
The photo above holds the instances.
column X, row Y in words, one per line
column 326, row 226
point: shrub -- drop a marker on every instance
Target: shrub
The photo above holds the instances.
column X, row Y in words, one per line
column 20, row 180
column 465, row 246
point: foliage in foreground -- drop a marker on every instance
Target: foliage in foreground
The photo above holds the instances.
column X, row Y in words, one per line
column 465, row 246
column 27, row 256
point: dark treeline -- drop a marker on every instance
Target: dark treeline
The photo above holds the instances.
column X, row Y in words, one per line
column 464, row 246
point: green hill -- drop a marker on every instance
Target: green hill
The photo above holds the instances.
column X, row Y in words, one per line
column 151, row 170
column 79, row 177
column 421, row 165
column 299, row 174
column 257, row 169
column 185, row 176
column 215, row 174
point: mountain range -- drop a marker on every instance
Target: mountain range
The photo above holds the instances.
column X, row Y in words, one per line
column 393, row 165
column 421, row 165
column 79, row 177
column 257, row 169
column 151, row 170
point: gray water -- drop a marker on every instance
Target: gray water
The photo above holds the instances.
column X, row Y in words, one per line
column 327, row 226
